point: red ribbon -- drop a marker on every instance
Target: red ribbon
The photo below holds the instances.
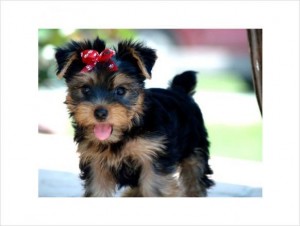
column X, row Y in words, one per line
column 92, row 57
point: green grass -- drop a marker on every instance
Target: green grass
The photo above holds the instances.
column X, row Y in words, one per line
column 241, row 142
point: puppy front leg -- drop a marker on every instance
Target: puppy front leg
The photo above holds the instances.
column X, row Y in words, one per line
column 132, row 192
column 102, row 183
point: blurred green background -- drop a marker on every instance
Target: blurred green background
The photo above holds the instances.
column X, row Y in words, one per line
column 224, row 89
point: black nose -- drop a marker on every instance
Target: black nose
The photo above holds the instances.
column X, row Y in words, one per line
column 101, row 113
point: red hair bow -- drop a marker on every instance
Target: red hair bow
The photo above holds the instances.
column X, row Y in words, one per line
column 92, row 57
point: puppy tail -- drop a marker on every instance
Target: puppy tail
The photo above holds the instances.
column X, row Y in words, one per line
column 185, row 82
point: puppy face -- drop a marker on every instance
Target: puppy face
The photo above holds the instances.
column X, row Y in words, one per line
column 103, row 103
column 105, row 106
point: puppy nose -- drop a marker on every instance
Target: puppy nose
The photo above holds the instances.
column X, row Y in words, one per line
column 101, row 113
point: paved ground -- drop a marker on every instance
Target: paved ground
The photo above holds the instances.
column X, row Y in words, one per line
column 65, row 184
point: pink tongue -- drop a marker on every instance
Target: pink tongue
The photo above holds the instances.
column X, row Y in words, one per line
column 102, row 131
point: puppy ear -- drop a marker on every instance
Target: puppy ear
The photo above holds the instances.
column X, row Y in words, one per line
column 64, row 61
column 136, row 53
column 68, row 57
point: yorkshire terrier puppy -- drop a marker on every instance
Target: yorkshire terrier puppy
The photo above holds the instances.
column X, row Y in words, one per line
column 153, row 141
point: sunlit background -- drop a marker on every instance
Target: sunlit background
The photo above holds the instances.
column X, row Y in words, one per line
column 225, row 95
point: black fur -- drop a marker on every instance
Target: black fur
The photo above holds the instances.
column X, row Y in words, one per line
column 175, row 114
column 170, row 112
column 147, row 55
column 64, row 53
column 166, row 113
column 185, row 82
column 128, row 174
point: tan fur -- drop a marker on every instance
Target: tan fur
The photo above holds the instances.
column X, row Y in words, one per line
column 119, row 116
column 140, row 150
column 99, row 163
column 191, row 170
column 65, row 68
column 69, row 102
column 154, row 185
column 84, row 79
column 132, row 192
column 84, row 113
column 103, row 183
column 122, row 80
column 125, row 81
column 137, row 109
column 140, row 63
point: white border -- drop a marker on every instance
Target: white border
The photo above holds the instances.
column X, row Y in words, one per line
column 20, row 21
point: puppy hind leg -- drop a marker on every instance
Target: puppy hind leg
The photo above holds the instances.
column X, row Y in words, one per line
column 192, row 175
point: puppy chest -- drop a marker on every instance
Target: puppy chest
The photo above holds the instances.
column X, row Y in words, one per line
column 127, row 173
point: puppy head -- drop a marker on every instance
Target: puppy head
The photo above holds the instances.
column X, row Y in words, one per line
column 103, row 101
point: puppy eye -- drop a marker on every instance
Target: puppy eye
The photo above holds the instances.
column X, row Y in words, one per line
column 120, row 91
column 86, row 90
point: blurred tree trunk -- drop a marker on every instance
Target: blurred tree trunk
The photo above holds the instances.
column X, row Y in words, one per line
column 255, row 44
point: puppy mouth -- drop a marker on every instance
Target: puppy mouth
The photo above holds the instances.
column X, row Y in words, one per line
column 103, row 131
